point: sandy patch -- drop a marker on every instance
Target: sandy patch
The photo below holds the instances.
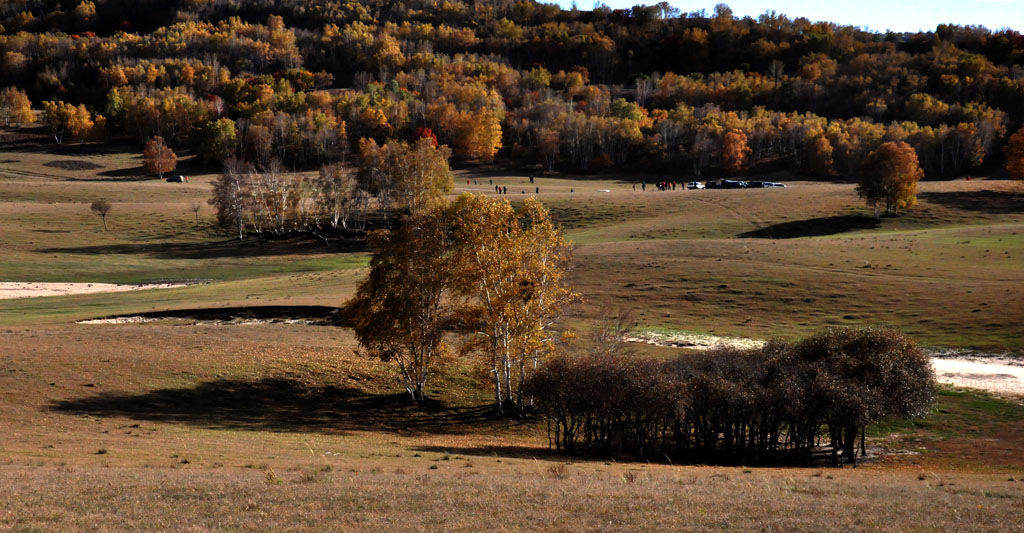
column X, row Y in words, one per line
column 999, row 374
column 995, row 374
column 229, row 322
column 14, row 289
column 693, row 341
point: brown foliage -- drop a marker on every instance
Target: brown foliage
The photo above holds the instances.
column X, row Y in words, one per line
column 101, row 208
column 1015, row 155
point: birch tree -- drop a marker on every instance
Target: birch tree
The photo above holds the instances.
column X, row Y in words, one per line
column 511, row 268
column 402, row 308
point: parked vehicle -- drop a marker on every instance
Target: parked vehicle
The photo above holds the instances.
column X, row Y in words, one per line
column 177, row 179
column 774, row 184
column 757, row 184
column 734, row 184
column 695, row 185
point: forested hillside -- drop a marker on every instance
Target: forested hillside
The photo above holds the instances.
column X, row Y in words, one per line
column 309, row 82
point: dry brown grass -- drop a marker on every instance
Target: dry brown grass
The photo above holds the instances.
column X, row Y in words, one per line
column 511, row 495
column 286, row 427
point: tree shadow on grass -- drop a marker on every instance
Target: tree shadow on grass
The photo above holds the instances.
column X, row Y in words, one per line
column 542, row 453
column 310, row 314
column 985, row 201
column 285, row 405
column 813, row 227
column 207, row 250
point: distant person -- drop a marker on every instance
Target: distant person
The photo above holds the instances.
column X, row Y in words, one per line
column 504, row 190
column 531, row 178
column 634, row 187
column 643, row 186
column 537, row 191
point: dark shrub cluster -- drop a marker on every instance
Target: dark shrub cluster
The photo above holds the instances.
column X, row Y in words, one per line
column 778, row 402
column 606, row 404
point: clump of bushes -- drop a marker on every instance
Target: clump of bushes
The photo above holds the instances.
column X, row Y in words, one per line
column 777, row 402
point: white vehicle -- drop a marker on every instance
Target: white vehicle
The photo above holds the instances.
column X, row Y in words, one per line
column 774, row 184
column 695, row 185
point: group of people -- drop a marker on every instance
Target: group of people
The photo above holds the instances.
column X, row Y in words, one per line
column 504, row 190
column 661, row 185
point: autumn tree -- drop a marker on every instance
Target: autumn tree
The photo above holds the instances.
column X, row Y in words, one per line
column 230, row 195
column 336, row 194
column 480, row 136
column 1014, row 151
column 62, row 118
column 734, row 151
column 101, row 208
column 401, row 310
column 158, row 158
column 405, row 176
column 890, row 175
column 216, row 140
column 511, row 266
column 15, row 107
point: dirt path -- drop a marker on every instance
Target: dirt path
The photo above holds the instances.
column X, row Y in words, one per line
column 995, row 373
column 17, row 289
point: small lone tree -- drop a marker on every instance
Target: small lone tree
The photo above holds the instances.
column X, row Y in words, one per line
column 101, row 208
column 890, row 175
column 158, row 158
column 196, row 207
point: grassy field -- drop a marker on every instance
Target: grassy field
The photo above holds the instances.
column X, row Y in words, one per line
column 182, row 425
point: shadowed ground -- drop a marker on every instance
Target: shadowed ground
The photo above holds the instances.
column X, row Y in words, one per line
column 280, row 404
column 814, row 227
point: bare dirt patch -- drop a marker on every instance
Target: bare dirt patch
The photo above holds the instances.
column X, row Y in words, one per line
column 18, row 289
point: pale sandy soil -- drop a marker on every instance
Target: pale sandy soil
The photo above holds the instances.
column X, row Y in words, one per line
column 16, row 289
column 995, row 374
column 1002, row 375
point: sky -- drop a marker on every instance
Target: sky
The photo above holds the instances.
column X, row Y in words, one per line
column 876, row 15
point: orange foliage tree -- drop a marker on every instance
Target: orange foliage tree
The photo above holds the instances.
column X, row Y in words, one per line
column 158, row 158
column 735, row 151
column 890, row 176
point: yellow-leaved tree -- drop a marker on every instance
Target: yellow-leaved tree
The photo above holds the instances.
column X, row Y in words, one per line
column 401, row 310
column 495, row 273
column 511, row 268
column 890, row 175
column 15, row 107
column 405, row 176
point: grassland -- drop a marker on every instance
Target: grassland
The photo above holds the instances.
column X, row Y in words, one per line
column 184, row 426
